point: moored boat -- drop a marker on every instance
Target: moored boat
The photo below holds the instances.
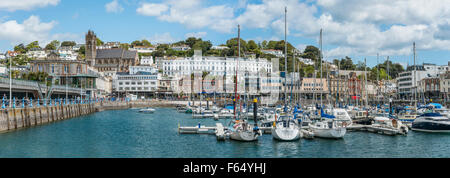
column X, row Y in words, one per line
column 431, row 122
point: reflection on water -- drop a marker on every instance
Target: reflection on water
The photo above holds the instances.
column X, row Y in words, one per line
column 127, row 133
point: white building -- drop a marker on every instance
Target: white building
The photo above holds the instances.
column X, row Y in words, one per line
column 306, row 61
column 3, row 70
column 181, row 48
column 67, row 53
column 37, row 54
column 277, row 53
column 146, row 60
column 141, row 83
column 405, row 81
column 254, row 71
column 136, row 69
column 220, row 47
column 216, row 66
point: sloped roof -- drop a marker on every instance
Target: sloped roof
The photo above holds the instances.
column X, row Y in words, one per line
column 115, row 53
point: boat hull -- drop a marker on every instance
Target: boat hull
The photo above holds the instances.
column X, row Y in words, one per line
column 246, row 136
column 329, row 133
column 431, row 127
column 286, row 134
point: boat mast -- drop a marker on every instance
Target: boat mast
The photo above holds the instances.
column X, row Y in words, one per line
column 285, row 57
column 387, row 78
column 415, row 83
column 321, row 73
column 365, row 87
column 236, row 69
column 378, row 78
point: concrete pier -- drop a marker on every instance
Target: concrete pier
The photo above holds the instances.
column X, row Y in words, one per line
column 17, row 118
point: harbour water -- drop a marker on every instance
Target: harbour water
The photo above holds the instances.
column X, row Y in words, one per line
column 129, row 134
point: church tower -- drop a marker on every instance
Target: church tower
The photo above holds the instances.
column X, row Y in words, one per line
column 91, row 47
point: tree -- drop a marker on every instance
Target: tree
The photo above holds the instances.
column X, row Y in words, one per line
column 311, row 52
column 191, row 41
column 20, row 48
column 394, row 69
column 264, row 44
column 99, row 42
column 53, row 45
column 163, row 47
column 202, row 45
column 252, row 46
column 68, row 43
column 146, row 43
column 125, row 46
column 34, row 44
column 82, row 52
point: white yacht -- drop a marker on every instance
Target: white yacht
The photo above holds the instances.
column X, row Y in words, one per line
column 286, row 129
column 327, row 129
column 431, row 122
column 147, row 110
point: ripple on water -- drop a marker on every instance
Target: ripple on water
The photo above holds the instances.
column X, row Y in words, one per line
column 127, row 133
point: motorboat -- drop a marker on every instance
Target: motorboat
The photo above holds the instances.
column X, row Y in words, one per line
column 431, row 122
column 383, row 124
column 407, row 117
column 443, row 111
column 147, row 110
column 286, row 129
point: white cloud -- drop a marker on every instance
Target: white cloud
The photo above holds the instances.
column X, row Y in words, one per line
column 13, row 5
column 162, row 38
column 114, row 7
column 32, row 29
column 355, row 27
column 191, row 13
column 195, row 34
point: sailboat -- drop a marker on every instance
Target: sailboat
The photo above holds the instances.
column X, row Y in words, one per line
column 328, row 126
column 285, row 128
column 242, row 130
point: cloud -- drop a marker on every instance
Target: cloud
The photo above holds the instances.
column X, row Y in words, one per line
column 191, row 13
column 352, row 27
column 114, row 7
column 162, row 38
column 149, row 9
column 32, row 29
column 195, row 34
column 13, row 5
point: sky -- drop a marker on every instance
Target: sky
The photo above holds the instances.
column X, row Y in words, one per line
column 354, row 28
